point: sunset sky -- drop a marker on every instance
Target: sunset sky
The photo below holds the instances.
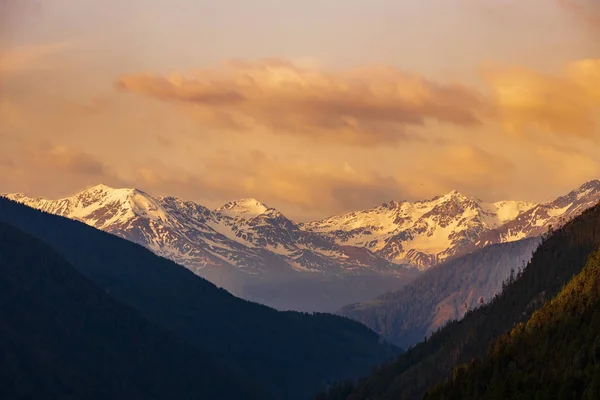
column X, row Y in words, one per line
column 313, row 107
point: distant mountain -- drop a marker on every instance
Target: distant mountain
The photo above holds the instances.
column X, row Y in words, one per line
column 442, row 293
column 62, row 337
column 257, row 253
column 243, row 246
column 561, row 255
column 427, row 232
column 246, row 234
column 290, row 354
column 554, row 355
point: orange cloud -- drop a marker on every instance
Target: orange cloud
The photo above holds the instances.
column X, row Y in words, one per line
column 566, row 104
column 569, row 165
column 31, row 58
column 52, row 170
column 312, row 190
column 461, row 167
column 64, row 159
column 288, row 184
column 360, row 107
column 10, row 116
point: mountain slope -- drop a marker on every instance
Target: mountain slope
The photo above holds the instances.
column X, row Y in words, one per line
column 442, row 293
column 249, row 237
column 244, row 244
column 292, row 354
column 63, row 337
column 559, row 257
column 428, row 232
column 246, row 234
column 556, row 354
column 257, row 253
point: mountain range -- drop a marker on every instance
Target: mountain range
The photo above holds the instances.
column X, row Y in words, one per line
column 244, row 234
column 66, row 281
column 424, row 233
column 536, row 339
column 250, row 248
column 77, row 297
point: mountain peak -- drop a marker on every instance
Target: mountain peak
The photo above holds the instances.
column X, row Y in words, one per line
column 103, row 190
column 272, row 212
column 587, row 190
column 590, row 185
column 101, row 187
column 245, row 208
column 455, row 194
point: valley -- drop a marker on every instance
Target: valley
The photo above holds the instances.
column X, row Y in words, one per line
column 257, row 253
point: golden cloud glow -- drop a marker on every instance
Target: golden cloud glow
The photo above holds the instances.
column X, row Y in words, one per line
column 289, row 183
column 361, row 107
column 64, row 159
column 461, row 167
column 569, row 165
column 31, row 58
column 529, row 101
column 39, row 168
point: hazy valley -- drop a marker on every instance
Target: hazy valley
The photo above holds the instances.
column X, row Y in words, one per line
column 257, row 253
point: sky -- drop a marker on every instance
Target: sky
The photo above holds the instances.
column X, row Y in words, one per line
column 314, row 107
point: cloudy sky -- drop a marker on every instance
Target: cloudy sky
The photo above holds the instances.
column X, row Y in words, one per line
column 315, row 107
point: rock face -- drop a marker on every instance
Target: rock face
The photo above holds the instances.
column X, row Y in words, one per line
column 425, row 233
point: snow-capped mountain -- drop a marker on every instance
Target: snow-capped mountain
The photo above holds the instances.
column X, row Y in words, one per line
column 245, row 235
column 427, row 232
column 248, row 236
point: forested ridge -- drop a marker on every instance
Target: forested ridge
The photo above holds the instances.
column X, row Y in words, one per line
column 562, row 255
column 555, row 355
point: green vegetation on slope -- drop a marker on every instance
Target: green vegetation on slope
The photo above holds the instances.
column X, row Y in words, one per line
column 556, row 355
column 560, row 256
column 443, row 293
column 61, row 337
column 291, row 354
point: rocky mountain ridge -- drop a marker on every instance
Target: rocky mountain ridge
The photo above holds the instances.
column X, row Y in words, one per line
column 425, row 233
column 249, row 237
column 245, row 236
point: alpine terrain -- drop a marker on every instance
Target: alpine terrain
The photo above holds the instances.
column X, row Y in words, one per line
column 283, row 355
column 425, row 233
column 550, row 353
column 244, row 246
column 257, row 253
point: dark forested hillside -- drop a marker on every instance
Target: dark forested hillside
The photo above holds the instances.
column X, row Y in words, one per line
column 442, row 293
column 555, row 355
column 292, row 354
column 61, row 337
column 561, row 256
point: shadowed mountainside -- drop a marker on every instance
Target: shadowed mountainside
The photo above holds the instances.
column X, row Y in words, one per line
column 291, row 354
column 443, row 293
column 556, row 354
column 63, row 337
column 561, row 255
